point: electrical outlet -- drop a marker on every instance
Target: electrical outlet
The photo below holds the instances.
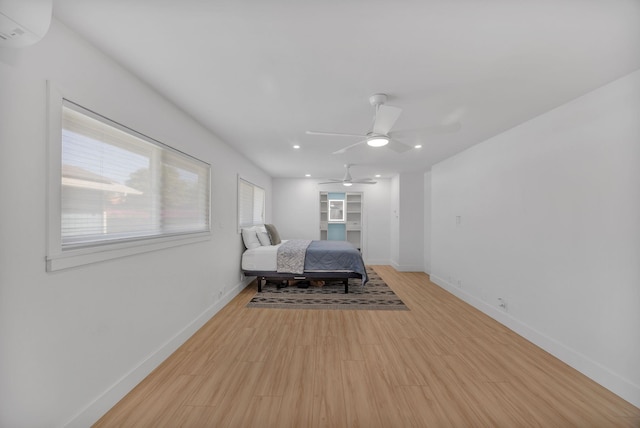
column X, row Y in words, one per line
column 220, row 293
column 502, row 303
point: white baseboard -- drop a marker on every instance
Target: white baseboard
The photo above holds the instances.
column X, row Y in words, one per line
column 98, row 407
column 592, row 369
column 407, row 268
column 378, row 262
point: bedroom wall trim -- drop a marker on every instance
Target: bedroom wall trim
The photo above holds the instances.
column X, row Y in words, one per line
column 369, row 262
column 101, row 404
column 593, row 370
column 407, row 268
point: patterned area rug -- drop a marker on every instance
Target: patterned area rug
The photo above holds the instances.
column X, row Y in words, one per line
column 376, row 295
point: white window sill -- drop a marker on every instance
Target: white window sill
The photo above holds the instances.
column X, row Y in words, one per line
column 79, row 257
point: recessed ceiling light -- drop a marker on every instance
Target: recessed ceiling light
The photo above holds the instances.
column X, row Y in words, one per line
column 296, row 146
column 418, row 146
column 378, row 176
column 307, row 175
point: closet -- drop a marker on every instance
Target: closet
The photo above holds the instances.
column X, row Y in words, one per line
column 341, row 217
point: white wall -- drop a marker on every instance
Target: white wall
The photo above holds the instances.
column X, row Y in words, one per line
column 73, row 342
column 296, row 208
column 411, row 227
column 394, row 212
column 296, row 213
column 407, row 227
column 550, row 221
column 427, row 222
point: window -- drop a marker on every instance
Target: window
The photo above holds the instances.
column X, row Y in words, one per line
column 250, row 204
column 113, row 189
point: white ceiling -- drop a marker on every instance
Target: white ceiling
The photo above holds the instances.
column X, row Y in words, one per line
column 259, row 73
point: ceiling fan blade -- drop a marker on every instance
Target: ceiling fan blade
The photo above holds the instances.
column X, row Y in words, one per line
column 398, row 146
column 347, row 180
column 344, row 149
column 334, row 134
column 386, row 117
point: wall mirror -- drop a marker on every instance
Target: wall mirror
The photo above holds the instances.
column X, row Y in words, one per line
column 336, row 210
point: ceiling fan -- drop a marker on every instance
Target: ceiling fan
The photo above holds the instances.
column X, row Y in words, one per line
column 347, row 180
column 381, row 134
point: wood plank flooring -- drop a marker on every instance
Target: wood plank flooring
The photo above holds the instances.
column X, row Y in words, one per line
column 441, row 364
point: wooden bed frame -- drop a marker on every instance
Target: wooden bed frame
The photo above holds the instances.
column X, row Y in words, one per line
column 281, row 276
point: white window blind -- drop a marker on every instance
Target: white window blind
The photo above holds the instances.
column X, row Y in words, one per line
column 251, row 200
column 118, row 185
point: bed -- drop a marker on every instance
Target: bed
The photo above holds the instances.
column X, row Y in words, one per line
column 302, row 260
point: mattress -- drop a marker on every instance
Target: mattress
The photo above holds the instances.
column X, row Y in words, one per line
column 261, row 258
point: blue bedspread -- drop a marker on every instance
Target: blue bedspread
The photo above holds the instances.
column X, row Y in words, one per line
column 333, row 256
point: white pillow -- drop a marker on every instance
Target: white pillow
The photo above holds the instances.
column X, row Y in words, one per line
column 264, row 239
column 250, row 238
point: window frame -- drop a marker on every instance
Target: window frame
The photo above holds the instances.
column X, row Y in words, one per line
column 57, row 257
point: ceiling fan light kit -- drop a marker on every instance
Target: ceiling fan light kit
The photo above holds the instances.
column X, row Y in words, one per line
column 377, row 141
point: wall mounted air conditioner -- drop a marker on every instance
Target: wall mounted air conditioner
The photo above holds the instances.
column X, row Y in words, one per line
column 24, row 22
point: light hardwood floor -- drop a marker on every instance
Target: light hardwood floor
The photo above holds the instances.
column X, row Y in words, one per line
column 441, row 364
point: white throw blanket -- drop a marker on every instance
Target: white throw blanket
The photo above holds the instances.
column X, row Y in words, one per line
column 291, row 255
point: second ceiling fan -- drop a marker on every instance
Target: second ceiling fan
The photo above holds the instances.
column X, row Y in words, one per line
column 381, row 134
column 347, row 180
